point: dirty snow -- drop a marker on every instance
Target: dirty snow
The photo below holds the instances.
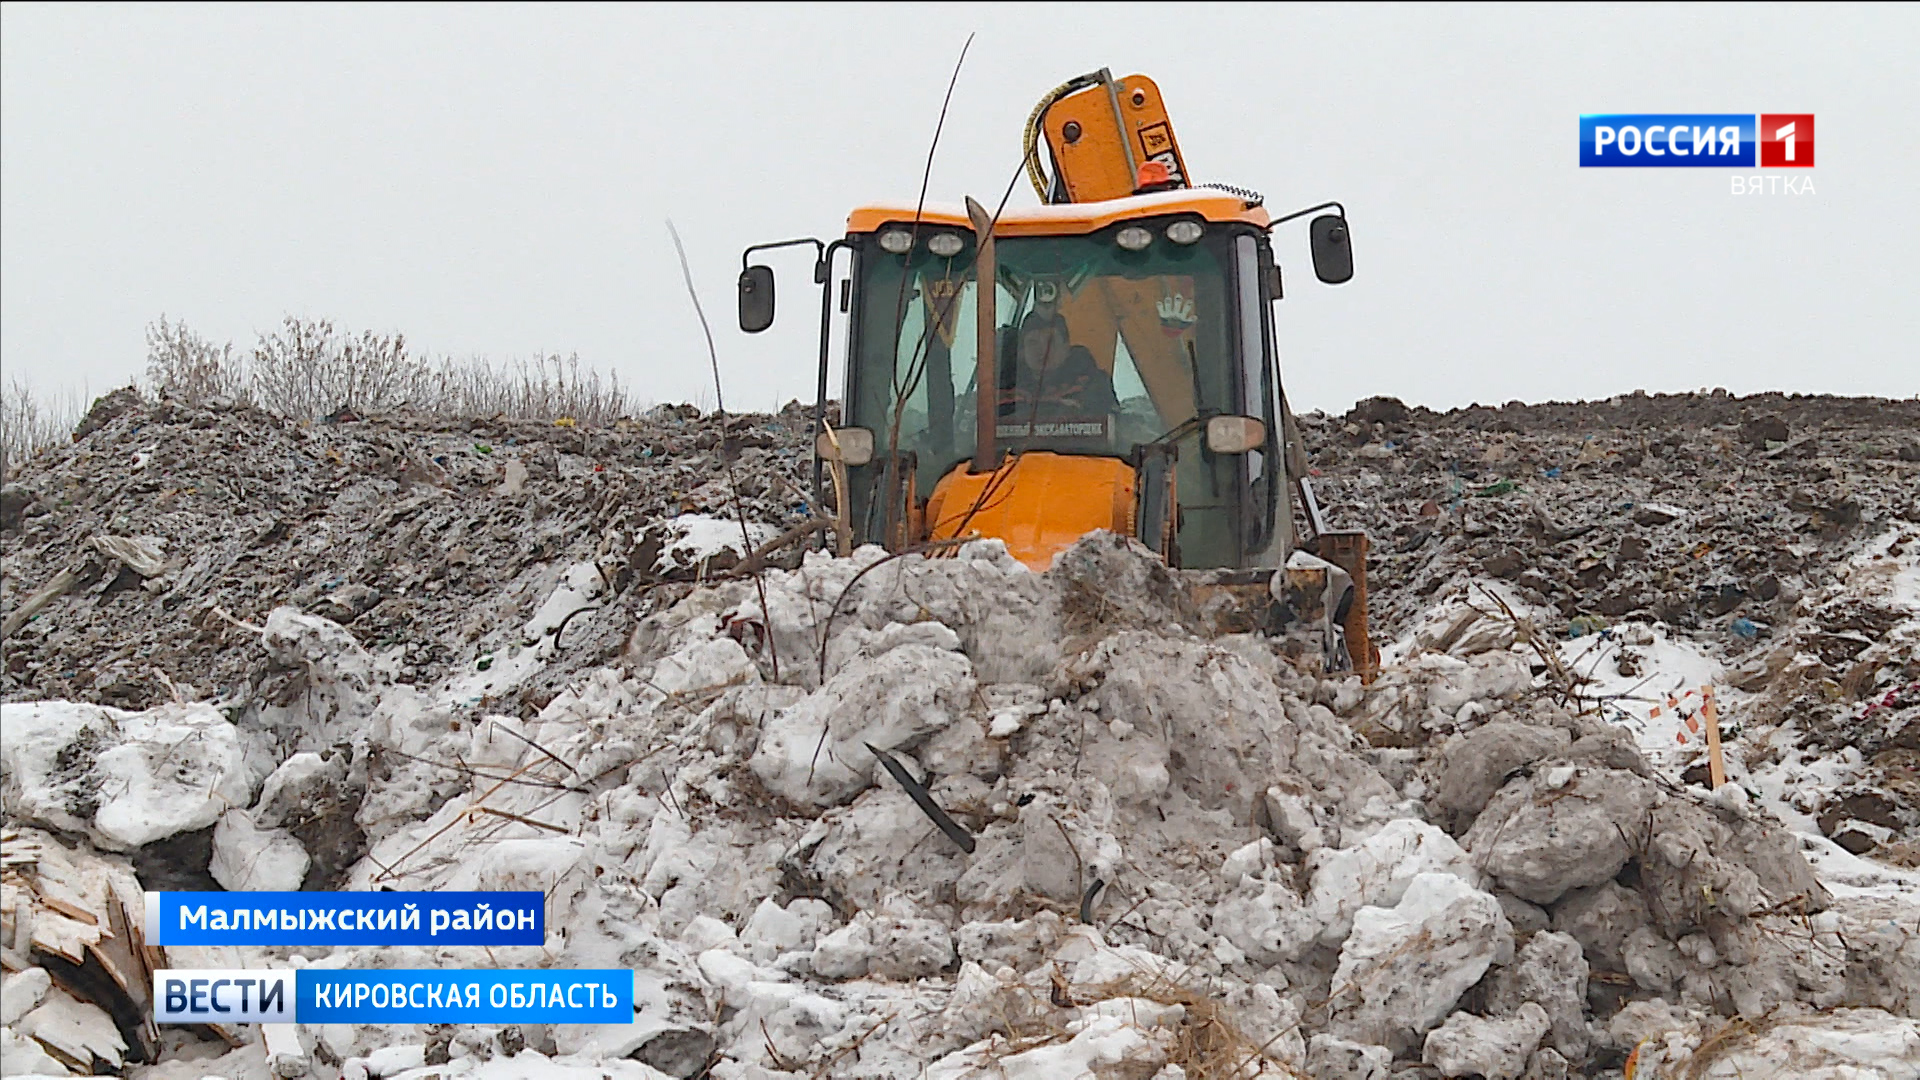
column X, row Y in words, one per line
column 1189, row 853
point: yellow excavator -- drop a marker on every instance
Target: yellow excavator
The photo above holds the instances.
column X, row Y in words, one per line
column 1117, row 370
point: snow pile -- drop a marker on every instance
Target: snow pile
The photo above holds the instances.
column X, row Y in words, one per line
column 1163, row 854
column 697, row 544
column 123, row 779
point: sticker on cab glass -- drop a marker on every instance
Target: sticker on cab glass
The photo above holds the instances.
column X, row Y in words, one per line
column 943, row 292
column 1176, row 315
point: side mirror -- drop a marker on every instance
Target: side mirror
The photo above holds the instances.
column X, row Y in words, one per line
column 1235, row 434
column 855, row 449
column 1332, row 249
column 756, row 298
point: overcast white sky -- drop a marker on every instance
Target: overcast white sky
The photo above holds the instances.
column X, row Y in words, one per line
column 495, row 180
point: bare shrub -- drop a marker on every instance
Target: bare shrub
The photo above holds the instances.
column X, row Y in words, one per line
column 308, row 369
column 29, row 423
column 182, row 364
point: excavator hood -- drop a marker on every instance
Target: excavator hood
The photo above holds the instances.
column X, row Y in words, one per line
column 1039, row 503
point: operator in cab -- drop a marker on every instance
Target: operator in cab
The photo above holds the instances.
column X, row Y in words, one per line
column 1053, row 379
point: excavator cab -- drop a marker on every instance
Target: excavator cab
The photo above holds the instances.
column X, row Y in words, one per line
column 1117, row 340
column 1106, row 360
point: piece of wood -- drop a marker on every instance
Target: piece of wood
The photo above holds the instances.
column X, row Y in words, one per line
column 67, row 907
column 75, row 1031
column 62, row 936
column 116, row 954
column 47, row 594
column 88, row 910
column 1716, row 764
column 75, row 895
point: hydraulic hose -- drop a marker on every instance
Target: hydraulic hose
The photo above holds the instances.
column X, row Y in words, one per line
column 1031, row 138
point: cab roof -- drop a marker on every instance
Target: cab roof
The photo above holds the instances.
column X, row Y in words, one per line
column 1069, row 219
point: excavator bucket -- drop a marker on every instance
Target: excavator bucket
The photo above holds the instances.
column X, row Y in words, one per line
column 1347, row 549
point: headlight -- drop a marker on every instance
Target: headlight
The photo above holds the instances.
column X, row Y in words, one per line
column 1133, row 238
column 896, row 241
column 1184, row 232
column 946, row 244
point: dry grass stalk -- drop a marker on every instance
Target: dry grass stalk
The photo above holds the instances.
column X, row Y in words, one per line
column 1205, row 1042
column 1730, row 1035
column 1562, row 681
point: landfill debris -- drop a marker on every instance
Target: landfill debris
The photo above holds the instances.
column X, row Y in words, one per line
column 381, row 656
column 78, row 973
column 424, row 543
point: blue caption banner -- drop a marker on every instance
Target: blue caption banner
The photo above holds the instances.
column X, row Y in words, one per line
column 438, row 996
column 464, row 997
column 1667, row 140
column 346, row 918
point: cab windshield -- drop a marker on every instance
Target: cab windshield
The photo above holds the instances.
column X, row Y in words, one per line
column 1099, row 348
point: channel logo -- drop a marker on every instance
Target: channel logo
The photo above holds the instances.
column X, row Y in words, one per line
column 316, row 996
column 204, row 996
column 1696, row 140
column 1786, row 141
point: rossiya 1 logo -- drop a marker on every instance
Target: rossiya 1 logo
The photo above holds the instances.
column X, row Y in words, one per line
column 1696, row 140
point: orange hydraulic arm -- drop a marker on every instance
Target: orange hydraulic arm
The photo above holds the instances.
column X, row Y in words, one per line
column 1101, row 134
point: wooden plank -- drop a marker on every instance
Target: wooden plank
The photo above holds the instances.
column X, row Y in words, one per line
column 74, row 904
column 1716, row 764
column 66, row 906
column 116, row 957
column 45, row 595
column 129, row 927
column 69, row 889
column 59, row 934
column 124, row 958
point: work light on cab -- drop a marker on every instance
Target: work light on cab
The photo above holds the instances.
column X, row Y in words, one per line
column 1185, row 232
column 896, row 241
column 946, row 244
column 1133, row 238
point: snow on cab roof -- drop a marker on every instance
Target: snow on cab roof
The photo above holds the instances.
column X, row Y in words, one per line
column 1068, row 217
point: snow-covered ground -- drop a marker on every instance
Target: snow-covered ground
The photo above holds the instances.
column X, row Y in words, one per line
column 1190, row 856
